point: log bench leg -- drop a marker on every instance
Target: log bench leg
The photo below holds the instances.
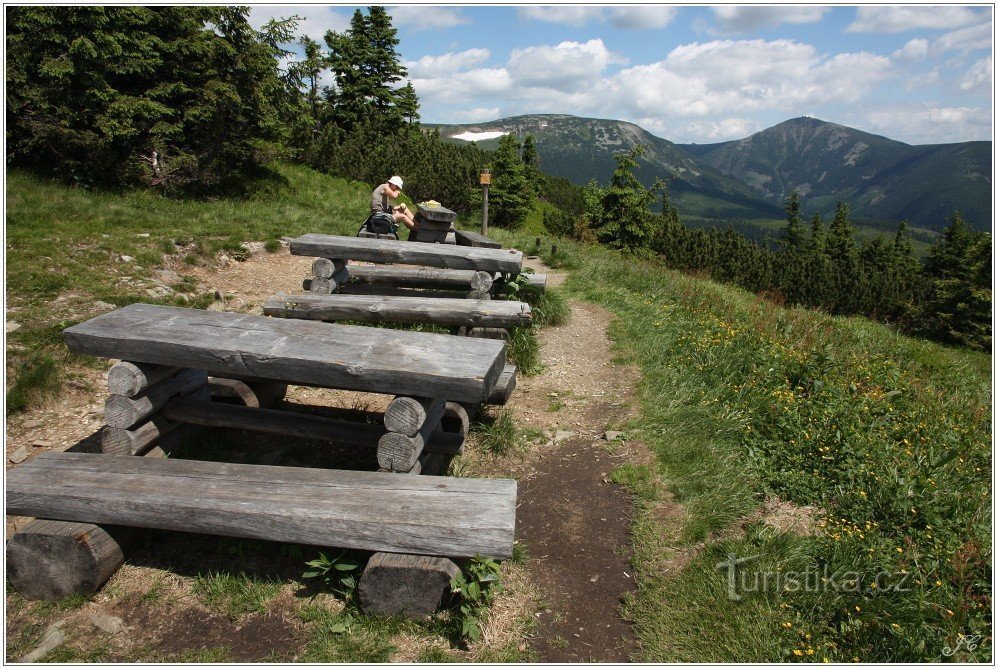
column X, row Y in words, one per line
column 409, row 585
column 53, row 559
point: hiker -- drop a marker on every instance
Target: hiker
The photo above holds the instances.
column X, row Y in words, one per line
column 384, row 195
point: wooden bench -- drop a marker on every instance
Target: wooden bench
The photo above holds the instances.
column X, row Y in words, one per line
column 369, row 511
column 468, row 238
column 295, row 351
column 439, row 311
column 386, row 251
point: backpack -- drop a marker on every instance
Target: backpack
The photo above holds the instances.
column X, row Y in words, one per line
column 381, row 223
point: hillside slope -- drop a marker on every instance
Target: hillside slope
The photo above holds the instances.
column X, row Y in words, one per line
column 881, row 178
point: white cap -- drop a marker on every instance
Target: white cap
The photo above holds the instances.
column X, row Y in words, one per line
column 396, row 181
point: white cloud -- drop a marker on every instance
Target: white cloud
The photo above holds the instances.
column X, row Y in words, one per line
column 427, row 17
column 476, row 115
column 979, row 77
column 738, row 19
column 927, row 124
column 448, row 63
column 642, row 17
column 916, row 49
column 569, row 66
column 575, row 16
column 316, row 20
column 965, row 39
column 727, row 76
column 885, row 19
column 721, row 131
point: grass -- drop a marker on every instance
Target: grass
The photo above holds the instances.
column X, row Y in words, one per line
column 65, row 249
column 887, row 436
column 234, row 595
column 498, row 434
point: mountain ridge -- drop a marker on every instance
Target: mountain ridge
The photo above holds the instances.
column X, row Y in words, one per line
column 884, row 180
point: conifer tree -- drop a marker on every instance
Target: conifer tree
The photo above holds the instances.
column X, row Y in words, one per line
column 509, row 193
column 793, row 234
column 626, row 221
column 531, row 164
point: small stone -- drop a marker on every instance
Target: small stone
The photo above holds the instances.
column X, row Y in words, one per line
column 143, row 234
column 612, row 435
column 159, row 291
column 32, row 424
column 105, row 623
column 52, row 639
column 216, row 306
column 19, row 456
column 563, row 434
column 104, row 306
column 11, row 326
column 167, row 276
column 127, row 259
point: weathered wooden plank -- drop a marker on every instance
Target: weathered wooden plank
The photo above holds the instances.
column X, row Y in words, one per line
column 388, row 291
column 441, row 214
column 508, row 261
column 415, row 277
column 325, row 268
column 406, row 415
column 124, row 412
column 296, row 351
column 371, row 235
column 482, row 281
column 409, row 585
column 131, row 378
column 291, row 424
column 488, row 333
column 468, row 238
column 53, row 559
column 382, row 309
column 505, row 386
column 450, row 517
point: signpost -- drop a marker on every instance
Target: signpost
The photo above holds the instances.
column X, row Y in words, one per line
column 485, row 179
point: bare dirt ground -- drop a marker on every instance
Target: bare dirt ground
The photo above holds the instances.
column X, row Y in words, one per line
column 573, row 521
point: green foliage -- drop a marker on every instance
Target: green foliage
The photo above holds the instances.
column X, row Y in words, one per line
column 510, row 193
column 624, row 220
column 234, row 595
column 498, row 434
column 477, row 586
column 175, row 97
column 34, row 377
column 366, row 64
column 337, row 573
column 524, row 351
column 888, row 436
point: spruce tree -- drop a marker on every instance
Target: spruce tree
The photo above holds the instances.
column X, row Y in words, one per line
column 625, row 220
column 793, row 233
column 531, row 164
column 509, row 193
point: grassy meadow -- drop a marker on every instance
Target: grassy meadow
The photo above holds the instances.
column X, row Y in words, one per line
column 887, row 438
column 881, row 442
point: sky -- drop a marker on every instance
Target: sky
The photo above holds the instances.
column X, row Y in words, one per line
column 919, row 74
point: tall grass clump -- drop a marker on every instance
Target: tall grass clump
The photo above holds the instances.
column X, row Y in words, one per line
column 33, row 377
column 887, row 436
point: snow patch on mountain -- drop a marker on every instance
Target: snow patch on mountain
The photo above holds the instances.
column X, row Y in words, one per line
column 479, row 136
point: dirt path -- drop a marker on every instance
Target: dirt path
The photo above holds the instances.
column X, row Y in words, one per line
column 574, row 521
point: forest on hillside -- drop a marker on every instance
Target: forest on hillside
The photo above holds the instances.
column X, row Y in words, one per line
column 194, row 102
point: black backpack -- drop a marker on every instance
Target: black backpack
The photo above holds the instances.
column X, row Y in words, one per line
column 381, row 223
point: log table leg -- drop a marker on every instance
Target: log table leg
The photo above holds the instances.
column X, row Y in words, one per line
column 52, row 559
column 408, row 585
